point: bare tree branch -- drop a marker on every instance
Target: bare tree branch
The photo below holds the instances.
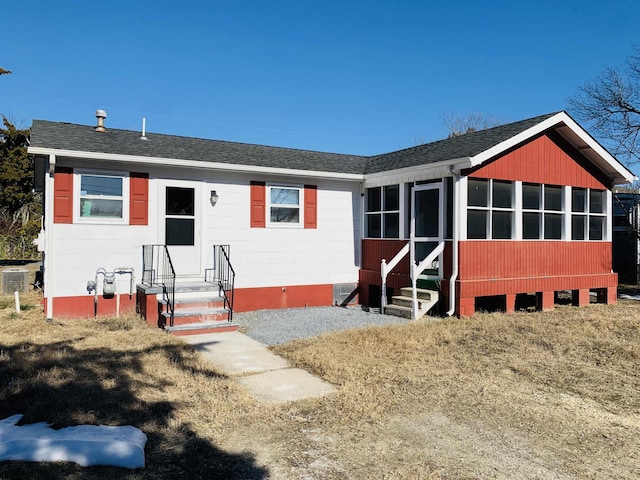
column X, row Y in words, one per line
column 458, row 125
column 610, row 106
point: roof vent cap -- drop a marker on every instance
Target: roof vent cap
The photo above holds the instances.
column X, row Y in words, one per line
column 101, row 115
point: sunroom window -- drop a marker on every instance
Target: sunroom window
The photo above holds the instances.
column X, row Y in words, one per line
column 382, row 212
column 542, row 212
column 490, row 213
column 588, row 214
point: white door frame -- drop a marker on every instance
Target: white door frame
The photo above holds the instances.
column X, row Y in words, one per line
column 439, row 186
column 186, row 259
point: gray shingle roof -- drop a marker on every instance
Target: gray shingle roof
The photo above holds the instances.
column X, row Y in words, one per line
column 66, row 136
column 84, row 138
column 467, row 145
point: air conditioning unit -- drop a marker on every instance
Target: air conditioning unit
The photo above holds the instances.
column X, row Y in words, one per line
column 15, row 279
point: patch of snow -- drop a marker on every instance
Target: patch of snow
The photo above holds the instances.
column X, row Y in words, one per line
column 85, row 445
column 630, row 297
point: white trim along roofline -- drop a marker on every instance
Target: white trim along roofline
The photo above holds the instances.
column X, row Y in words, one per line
column 114, row 157
column 616, row 171
column 417, row 173
column 563, row 123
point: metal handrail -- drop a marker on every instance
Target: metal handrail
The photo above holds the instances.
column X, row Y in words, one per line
column 223, row 275
column 158, row 271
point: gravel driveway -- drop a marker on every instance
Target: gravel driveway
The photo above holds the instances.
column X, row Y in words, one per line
column 273, row 327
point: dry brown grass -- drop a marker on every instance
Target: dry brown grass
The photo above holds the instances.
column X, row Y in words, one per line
column 119, row 372
column 552, row 395
column 520, row 396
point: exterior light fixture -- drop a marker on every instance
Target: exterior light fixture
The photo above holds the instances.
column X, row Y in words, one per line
column 213, row 198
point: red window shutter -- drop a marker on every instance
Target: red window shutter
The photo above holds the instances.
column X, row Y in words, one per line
column 138, row 199
column 258, row 205
column 310, row 206
column 63, row 195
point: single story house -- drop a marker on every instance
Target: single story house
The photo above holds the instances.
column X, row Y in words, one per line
column 523, row 208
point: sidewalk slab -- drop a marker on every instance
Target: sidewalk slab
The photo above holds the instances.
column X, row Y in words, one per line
column 286, row 385
column 266, row 376
column 235, row 353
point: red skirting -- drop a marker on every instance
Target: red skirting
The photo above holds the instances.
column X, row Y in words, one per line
column 83, row 306
column 247, row 299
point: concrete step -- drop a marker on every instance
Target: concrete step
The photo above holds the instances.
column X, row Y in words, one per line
column 184, row 287
column 408, row 301
column 401, row 305
column 197, row 296
column 420, row 292
column 398, row 311
column 181, row 296
column 202, row 305
column 195, row 315
column 199, row 328
column 195, row 302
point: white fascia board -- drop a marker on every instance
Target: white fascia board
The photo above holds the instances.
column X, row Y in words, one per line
column 416, row 173
column 172, row 162
column 620, row 169
column 561, row 117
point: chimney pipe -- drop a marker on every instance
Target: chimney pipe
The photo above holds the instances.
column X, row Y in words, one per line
column 101, row 115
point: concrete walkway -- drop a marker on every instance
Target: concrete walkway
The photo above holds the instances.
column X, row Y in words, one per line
column 265, row 375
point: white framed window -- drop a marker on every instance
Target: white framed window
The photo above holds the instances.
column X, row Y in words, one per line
column 542, row 211
column 491, row 209
column 382, row 212
column 532, row 211
column 588, row 214
column 285, row 205
column 101, row 196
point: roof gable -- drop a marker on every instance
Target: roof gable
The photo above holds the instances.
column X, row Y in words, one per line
column 548, row 159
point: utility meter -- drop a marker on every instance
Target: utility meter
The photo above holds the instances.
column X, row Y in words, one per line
column 109, row 284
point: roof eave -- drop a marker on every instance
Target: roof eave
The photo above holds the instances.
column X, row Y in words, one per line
column 229, row 167
column 418, row 172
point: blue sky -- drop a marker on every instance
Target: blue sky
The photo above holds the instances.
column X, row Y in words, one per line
column 361, row 77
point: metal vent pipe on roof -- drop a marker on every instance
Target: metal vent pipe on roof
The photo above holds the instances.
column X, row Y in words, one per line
column 101, row 115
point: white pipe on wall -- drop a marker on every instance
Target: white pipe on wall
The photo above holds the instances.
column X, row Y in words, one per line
column 456, row 240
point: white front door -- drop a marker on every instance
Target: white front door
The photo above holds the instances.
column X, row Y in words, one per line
column 180, row 225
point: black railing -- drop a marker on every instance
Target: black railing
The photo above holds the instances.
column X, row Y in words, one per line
column 157, row 271
column 223, row 275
